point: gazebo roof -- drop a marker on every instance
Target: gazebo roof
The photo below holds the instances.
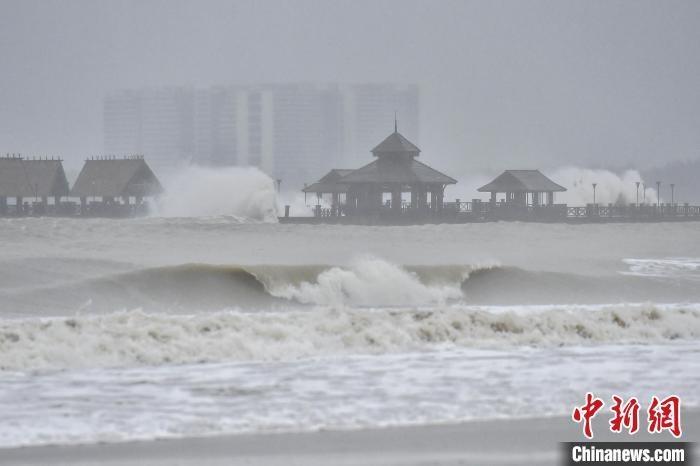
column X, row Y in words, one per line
column 115, row 178
column 32, row 178
column 514, row 181
column 397, row 171
column 329, row 183
column 396, row 143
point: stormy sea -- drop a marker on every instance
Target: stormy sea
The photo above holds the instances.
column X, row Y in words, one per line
column 161, row 327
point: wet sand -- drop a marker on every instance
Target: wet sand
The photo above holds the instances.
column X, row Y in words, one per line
column 499, row 442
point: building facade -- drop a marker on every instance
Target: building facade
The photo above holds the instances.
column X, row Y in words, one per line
column 293, row 132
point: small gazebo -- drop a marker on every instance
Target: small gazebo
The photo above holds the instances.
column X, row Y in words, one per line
column 523, row 188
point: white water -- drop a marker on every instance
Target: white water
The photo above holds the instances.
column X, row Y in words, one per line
column 370, row 281
column 611, row 188
column 334, row 393
column 136, row 338
column 245, row 193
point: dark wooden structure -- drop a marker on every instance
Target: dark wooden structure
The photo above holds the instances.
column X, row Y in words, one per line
column 41, row 180
column 361, row 193
column 111, row 183
column 527, row 193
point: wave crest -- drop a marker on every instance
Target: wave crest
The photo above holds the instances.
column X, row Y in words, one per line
column 138, row 338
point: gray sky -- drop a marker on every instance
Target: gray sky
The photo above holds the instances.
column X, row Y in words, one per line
column 517, row 83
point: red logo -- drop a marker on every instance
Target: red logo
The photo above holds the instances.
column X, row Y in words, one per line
column 665, row 415
column 662, row 415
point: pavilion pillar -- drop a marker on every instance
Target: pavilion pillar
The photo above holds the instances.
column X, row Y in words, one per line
column 493, row 198
column 535, row 199
column 550, row 198
column 83, row 205
column 3, row 205
column 396, row 200
column 414, row 197
column 20, row 205
column 335, row 205
column 440, row 198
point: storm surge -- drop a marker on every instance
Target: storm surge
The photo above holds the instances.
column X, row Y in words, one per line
column 139, row 338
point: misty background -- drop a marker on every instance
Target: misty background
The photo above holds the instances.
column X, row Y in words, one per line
column 503, row 84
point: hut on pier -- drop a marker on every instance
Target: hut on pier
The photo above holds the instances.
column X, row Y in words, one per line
column 395, row 171
column 41, row 179
column 528, row 194
column 114, row 182
column 523, row 187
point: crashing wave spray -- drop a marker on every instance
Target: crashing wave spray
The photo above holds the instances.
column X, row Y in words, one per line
column 242, row 192
column 370, row 281
column 611, row 188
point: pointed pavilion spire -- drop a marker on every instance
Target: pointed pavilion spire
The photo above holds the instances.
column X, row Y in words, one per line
column 396, row 123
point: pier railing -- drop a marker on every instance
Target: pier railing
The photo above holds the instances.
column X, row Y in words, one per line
column 477, row 210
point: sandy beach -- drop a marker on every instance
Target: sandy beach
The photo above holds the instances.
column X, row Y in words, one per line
column 499, row 442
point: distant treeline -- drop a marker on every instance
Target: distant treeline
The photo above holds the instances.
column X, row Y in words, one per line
column 684, row 174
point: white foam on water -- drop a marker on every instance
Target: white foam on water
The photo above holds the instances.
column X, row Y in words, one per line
column 350, row 392
column 676, row 267
column 370, row 281
column 137, row 338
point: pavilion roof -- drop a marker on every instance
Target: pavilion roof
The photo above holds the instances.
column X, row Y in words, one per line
column 329, row 183
column 397, row 171
column 32, row 178
column 114, row 177
column 514, row 181
column 396, row 143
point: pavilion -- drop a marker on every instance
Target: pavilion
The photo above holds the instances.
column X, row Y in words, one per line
column 523, row 188
column 394, row 172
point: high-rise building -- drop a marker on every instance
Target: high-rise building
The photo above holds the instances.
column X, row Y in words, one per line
column 157, row 122
column 294, row 132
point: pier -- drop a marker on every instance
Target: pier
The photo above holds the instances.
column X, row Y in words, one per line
column 374, row 195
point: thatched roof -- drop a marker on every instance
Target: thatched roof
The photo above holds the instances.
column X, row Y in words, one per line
column 397, row 171
column 329, row 183
column 116, row 178
column 32, row 178
column 517, row 181
column 396, row 143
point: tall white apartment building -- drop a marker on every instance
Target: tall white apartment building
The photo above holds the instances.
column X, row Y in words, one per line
column 154, row 122
column 294, row 132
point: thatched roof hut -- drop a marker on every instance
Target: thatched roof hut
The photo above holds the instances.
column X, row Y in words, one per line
column 38, row 178
column 113, row 178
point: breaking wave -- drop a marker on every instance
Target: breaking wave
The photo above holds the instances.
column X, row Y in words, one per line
column 139, row 338
column 365, row 282
column 245, row 193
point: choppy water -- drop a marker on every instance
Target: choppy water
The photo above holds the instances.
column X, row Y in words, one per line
column 145, row 328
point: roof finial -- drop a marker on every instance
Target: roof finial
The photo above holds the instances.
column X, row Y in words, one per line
column 396, row 123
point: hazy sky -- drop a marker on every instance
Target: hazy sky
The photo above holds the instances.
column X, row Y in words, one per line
column 516, row 83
